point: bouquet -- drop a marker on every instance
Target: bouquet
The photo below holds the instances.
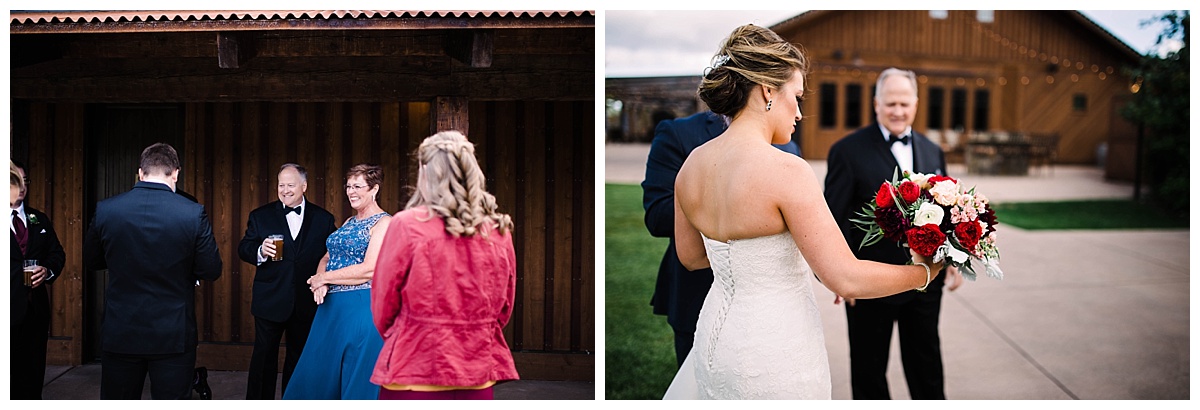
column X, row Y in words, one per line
column 934, row 216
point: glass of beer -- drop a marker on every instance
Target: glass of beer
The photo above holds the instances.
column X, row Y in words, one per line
column 278, row 240
column 29, row 267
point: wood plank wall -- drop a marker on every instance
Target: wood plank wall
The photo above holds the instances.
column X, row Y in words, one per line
column 538, row 157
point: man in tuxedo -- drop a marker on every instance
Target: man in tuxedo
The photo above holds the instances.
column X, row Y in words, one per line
column 678, row 293
column 282, row 301
column 858, row 164
column 156, row 245
column 33, row 237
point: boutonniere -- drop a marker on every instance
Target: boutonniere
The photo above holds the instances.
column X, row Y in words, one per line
column 32, row 219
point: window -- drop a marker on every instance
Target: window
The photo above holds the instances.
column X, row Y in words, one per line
column 981, row 109
column 828, row 105
column 937, row 107
column 985, row 16
column 854, row 105
column 958, row 109
column 939, row 14
column 1079, row 102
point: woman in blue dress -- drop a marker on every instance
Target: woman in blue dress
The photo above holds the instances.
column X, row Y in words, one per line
column 343, row 345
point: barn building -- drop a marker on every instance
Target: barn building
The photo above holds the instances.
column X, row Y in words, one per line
column 1006, row 91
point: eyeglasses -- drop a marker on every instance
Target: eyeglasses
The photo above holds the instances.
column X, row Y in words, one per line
column 355, row 187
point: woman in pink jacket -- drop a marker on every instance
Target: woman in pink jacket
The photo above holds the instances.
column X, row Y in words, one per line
column 444, row 283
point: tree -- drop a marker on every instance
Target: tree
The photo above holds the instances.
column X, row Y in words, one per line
column 1160, row 104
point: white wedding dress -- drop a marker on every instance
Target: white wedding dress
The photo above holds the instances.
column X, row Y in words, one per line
column 759, row 335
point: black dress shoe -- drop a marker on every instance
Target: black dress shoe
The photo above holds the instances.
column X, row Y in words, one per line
column 200, row 384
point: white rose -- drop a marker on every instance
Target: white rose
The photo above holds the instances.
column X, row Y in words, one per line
column 945, row 192
column 922, row 180
column 929, row 213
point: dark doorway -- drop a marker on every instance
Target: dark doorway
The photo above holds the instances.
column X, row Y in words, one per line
column 116, row 136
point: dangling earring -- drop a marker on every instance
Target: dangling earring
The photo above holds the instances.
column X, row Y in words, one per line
column 769, row 104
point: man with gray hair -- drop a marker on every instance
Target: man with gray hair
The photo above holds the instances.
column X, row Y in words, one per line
column 282, row 302
column 857, row 165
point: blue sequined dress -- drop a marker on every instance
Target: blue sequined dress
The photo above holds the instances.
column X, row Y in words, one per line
column 343, row 344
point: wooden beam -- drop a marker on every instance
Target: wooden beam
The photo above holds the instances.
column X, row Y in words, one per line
column 234, row 49
column 511, row 77
column 471, row 47
column 450, row 113
column 482, row 48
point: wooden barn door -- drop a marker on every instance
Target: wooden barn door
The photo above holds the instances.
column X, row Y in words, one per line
column 116, row 136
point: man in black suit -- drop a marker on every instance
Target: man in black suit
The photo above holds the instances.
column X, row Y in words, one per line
column 156, row 245
column 678, row 293
column 282, row 301
column 33, row 237
column 858, row 164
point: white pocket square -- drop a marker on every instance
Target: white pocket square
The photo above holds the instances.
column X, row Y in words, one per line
column 43, row 231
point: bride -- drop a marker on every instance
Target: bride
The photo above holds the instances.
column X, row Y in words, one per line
column 757, row 216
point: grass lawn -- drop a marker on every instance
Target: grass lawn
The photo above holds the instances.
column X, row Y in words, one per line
column 1106, row 214
column 639, row 348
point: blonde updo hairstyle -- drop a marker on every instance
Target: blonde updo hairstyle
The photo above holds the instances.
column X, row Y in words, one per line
column 450, row 184
column 750, row 56
column 14, row 176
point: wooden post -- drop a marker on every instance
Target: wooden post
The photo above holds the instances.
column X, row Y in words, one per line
column 450, row 113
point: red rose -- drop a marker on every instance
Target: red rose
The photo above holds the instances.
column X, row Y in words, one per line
column 910, row 191
column 968, row 234
column 925, row 239
column 883, row 198
column 939, row 178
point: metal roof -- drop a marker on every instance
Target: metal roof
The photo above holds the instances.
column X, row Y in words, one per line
column 57, row 21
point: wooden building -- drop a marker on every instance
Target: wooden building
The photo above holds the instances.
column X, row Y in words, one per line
column 636, row 105
column 240, row 93
column 983, row 75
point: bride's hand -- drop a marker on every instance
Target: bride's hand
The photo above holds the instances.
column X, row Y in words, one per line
column 934, row 268
column 837, row 299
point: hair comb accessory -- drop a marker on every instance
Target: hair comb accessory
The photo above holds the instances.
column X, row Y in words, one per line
column 719, row 60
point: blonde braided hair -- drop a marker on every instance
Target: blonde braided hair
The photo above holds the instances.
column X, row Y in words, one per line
column 450, row 183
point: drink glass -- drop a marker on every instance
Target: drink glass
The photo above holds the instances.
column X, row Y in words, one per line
column 278, row 239
column 29, row 267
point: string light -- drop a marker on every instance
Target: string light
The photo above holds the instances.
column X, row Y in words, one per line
column 1042, row 55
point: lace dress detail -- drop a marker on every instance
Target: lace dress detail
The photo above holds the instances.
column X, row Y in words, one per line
column 759, row 335
column 348, row 246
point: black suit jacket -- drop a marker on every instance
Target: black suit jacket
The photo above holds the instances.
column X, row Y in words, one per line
column 156, row 245
column 281, row 287
column 678, row 293
column 44, row 246
column 858, row 164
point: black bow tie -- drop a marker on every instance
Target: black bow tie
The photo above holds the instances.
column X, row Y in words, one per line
column 287, row 209
column 892, row 139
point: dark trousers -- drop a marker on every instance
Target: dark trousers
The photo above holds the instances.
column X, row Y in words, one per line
column 870, row 328
column 171, row 375
column 264, row 361
column 27, row 349
column 683, row 344
column 481, row 394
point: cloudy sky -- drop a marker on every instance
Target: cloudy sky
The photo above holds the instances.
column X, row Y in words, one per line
column 685, row 40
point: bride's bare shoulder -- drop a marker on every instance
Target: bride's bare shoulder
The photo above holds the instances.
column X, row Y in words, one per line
column 789, row 170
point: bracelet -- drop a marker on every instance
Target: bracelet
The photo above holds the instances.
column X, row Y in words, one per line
column 922, row 288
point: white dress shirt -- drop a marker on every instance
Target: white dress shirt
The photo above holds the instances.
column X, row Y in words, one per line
column 902, row 152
